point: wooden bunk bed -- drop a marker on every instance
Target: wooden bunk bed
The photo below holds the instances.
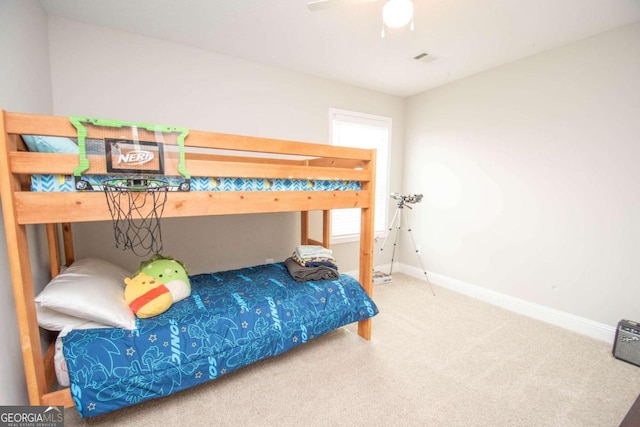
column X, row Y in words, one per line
column 59, row 210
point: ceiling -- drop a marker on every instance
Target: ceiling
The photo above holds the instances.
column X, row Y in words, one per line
column 343, row 43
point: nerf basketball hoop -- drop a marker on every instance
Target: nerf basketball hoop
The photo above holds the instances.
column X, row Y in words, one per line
column 136, row 165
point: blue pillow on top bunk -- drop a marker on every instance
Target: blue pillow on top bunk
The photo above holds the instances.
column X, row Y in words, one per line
column 50, row 144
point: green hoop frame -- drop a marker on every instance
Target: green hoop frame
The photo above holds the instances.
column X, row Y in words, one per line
column 80, row 123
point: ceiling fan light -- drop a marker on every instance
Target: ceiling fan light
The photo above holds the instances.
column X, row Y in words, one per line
column 397, row 13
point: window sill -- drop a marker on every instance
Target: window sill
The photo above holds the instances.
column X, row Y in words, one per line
column 353, row 238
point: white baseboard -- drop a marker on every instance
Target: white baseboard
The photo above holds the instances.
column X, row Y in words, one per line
column 581, row 325
column 565, row 320
column 383, row 267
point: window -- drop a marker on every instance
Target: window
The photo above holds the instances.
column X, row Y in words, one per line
column 351, row 129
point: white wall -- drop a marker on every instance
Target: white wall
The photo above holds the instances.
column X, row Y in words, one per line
column 530, row 175
column 110, row 74
column 25, row 86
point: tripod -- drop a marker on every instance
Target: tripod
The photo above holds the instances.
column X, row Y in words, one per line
column 396, row 223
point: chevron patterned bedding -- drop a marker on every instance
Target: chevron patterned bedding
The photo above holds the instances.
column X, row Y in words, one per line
column 47, row 183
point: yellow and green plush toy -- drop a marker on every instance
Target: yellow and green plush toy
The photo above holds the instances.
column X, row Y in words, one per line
column 146, row 296
column 158, row 283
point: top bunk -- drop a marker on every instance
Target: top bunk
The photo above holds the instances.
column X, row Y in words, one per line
column 228, row 174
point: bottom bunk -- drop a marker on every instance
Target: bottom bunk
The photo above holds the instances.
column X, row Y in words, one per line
column 230, row 320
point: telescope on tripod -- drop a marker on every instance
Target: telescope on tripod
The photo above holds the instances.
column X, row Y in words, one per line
column 403, row 200
column 407, row 199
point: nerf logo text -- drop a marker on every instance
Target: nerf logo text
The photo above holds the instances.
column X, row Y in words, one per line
column 135, row 157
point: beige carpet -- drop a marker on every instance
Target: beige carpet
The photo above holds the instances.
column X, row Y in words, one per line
column 447, row 360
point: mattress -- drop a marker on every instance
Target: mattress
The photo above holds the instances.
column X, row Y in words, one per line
column 49, row 182
column 232, row 319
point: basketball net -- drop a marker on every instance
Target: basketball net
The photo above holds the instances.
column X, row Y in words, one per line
column 136, row 206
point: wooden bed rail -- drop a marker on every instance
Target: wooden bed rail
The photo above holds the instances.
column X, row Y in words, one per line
column 40, row 208
column 57, row 211
column 30, row 124
column 64, row 164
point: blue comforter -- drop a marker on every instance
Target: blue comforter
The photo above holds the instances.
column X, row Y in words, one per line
column 231, row 319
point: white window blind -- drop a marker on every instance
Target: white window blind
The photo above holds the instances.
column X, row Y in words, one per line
column 351, row 129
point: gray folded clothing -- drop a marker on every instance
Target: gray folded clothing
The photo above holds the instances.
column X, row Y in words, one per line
column 305, row 274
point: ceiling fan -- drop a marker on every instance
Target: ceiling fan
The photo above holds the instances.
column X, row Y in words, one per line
column 395, row 13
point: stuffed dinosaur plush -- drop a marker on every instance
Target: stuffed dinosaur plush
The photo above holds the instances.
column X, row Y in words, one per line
column 171, row 272
column 158, row 283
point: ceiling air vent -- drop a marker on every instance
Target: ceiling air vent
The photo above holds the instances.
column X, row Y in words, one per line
column 424, row 57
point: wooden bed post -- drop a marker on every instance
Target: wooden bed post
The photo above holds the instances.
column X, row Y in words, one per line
column 55, row 259
column 21, row 276
column 366, row 245
column 54, row 249
column 304, row 227
column 67, row 241
column 326, row 228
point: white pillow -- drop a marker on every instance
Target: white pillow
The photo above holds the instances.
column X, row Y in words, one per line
column 55, row 321
column 90, row 289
